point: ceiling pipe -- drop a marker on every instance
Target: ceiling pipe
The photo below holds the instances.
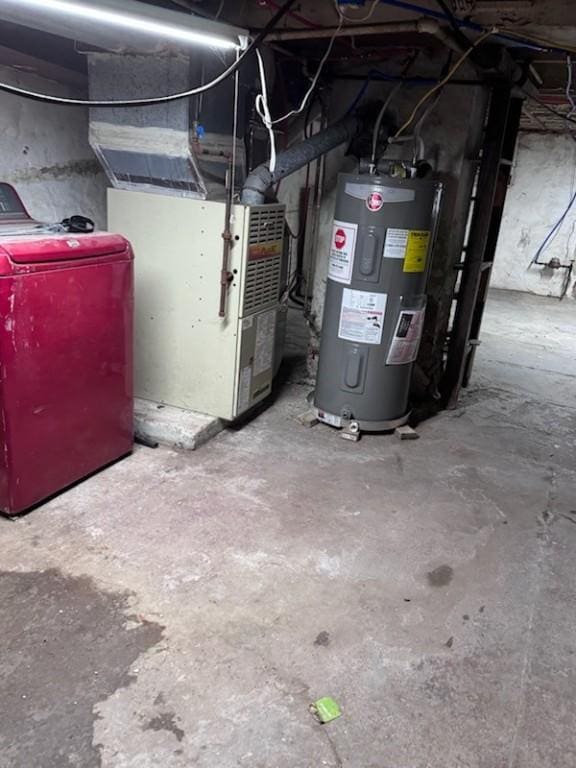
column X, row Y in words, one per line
column 485, row 65
column 422, row 26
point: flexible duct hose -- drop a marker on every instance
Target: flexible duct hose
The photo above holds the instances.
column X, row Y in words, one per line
column 261, row 179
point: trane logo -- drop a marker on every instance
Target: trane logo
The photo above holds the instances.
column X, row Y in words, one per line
column 340, row 239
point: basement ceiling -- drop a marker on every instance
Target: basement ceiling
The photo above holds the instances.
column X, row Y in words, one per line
column 24, row 48
column 537, row 118
column 551, row 74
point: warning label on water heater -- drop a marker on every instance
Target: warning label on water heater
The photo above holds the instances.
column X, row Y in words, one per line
column 342, row 249
column 406, row 339
column 395, row 243
column 411, row 245
column 416, row 251
column 362, row 316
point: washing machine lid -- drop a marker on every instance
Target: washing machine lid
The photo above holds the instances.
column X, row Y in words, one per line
column 50, row 248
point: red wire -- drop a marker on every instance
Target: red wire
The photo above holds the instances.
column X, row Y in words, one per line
column 297, row 16
column 302, row 19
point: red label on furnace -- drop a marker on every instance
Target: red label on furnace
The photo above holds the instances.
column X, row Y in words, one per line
column 374, row 201
column 340, row 238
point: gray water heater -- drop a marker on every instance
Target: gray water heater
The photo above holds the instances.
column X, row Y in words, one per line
column 380, row 256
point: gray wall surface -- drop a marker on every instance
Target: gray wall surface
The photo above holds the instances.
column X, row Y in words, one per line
column 46, row 155
column 543, row 183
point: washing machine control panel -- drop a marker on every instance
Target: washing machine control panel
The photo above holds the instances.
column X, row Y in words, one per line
column 11, row 207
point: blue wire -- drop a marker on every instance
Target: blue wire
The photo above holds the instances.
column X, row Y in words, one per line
column 553, row 230
column 376, row 74
column 464, row 23
column 436, row 15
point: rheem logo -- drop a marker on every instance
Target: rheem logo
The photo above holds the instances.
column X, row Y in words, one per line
column 374, row 201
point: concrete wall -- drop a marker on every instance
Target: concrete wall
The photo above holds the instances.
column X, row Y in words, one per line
column 46, row 155
column 543, row 182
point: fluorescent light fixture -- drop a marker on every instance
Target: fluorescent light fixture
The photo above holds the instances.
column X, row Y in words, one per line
column 143, row 18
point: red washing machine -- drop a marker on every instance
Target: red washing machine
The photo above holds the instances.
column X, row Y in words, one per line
column 66, row 402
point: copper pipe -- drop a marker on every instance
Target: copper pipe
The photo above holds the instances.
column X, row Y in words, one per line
column 225, row 274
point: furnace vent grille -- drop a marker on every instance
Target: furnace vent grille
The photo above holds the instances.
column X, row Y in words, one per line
column 266, row 224
column 264, row 267
column 262, row 284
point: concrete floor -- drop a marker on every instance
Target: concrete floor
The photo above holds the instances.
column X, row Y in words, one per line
column 184, row 609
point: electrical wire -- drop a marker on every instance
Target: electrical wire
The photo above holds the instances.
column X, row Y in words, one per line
column 417, row 130
column 253, row 45
column 264, row 111
column 257, row 41
column 235, row 132
column 383, row 109
column 376, row 74
column 547, row 106
column 405, row 6
column 553, row 231
column 307, row 128
column 569, row 86
column 442, row 82
column 465, row 23
column 298, row 16
column 504, row 33
column 312, row 85
column 453, row 21
column 378, row 122
column 355, row 19
column 419, row 148
column 219, row 11
column 543, row 42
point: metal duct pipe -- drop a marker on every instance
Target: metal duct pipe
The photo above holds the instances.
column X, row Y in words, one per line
column 44, row 17
column 255, row 186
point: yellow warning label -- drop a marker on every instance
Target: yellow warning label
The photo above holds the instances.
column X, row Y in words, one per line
column 416, row 250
